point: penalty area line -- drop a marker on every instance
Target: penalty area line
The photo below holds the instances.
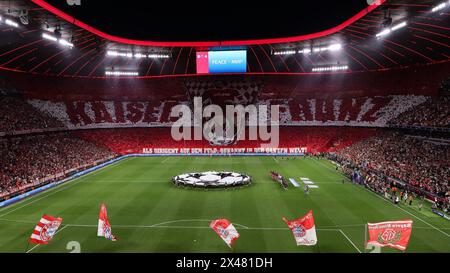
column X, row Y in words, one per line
column 348, row 239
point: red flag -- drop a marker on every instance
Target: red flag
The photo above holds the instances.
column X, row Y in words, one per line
column 393, row 234
column 45, row 229
column 303, row 229
column 225, row 230
column 104, row 228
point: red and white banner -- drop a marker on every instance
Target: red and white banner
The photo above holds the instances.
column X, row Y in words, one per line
column 303, row 229
column 225, row 151
column 104, row 228
column 45, row 230
column 393, row 234
column 225, row 230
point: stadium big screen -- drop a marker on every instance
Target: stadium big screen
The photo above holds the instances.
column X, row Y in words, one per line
column 229, row 61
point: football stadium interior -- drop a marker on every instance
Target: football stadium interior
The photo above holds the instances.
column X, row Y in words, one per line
column 356, row 114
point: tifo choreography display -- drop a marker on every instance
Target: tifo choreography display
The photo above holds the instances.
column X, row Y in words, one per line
column 212, row 179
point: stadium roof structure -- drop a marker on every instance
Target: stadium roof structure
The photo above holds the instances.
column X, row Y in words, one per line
column 418, row 34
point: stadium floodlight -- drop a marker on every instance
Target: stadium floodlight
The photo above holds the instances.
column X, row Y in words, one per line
column 305, row 51
column 114, row 53
column 158, row 56
column 121, row 73
column 330, row 68
column 285, row 52
column 139, row 55
column 49, row 37
column 335, row 47
column 11, row 23
column 65, row 43
column 398, row 26
column 384, row 32
column 119, row 54
column 389, row 30
column 317, row 49
column 332, row 47
column 61, row 41
column 439, row 7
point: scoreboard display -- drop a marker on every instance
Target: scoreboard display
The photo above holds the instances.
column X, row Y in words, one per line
column 215, row 62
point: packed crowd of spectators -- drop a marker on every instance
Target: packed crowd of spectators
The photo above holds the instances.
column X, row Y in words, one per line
column 435, row 112
column 423, row 165
column 30, row 159
column 16, row 115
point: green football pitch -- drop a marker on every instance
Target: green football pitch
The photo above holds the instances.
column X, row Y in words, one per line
column 149, row 214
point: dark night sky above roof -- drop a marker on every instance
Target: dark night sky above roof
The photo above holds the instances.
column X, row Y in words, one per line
column 424, row 40
column 211, row 20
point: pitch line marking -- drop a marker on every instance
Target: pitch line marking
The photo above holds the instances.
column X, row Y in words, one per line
column 351, row 242
column 245, row 227
column 413, row 215
column 193, row 220
column 161, row 225
column 17, row 221
column 31, row 249
column 165, row 225
column 76, row 181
